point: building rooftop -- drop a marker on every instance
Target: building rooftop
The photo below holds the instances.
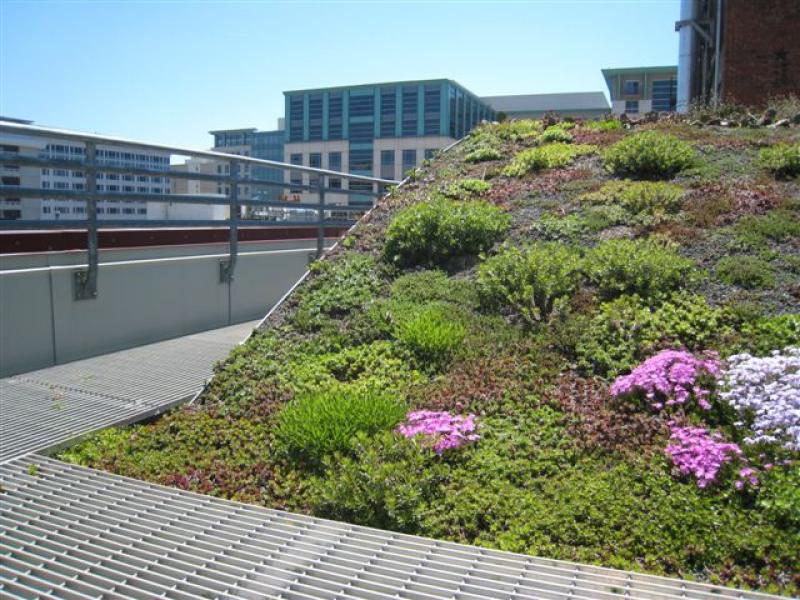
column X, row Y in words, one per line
column 624, row 70
column 545, row 102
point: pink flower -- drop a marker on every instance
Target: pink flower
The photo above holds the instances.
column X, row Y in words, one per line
column 443, row 430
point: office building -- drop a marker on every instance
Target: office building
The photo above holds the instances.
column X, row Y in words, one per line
column 267, row 145
column 74, row 180
column 585, row 105
column 636, row 91
column 381, row 130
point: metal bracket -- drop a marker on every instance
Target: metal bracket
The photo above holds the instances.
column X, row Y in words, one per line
column 81, row 285
column 225, row 271
column 698, row 27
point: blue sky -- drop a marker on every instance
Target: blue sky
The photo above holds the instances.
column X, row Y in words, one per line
column 169, row 71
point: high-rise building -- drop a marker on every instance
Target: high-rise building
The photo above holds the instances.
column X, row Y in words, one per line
column 639, row 90
column 380, row 130
column 585, row 105
column 267, row 145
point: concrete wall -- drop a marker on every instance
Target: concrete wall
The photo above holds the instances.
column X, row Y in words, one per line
column 144, row 295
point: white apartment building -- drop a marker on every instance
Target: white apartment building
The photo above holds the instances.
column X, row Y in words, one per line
column 108, row 183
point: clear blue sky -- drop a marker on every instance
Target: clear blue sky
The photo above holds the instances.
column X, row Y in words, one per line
column 170, row 71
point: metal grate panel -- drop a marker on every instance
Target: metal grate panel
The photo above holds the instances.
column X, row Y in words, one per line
column 43, row 409
column 71, row 532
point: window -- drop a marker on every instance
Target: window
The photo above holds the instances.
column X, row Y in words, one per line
column 77, row 186
column 141, row 189
column 10, row 180
column 409, row 111
column 113, row 210
column 335, row 116
column 296, row 117
column 11, row 214
column 314, row 160
column 631, row 87
column 335, row 164
column 128, row 211
column 387, row 164
column 360, row 160
column 453, row 101
column 127, row 188
column 315, row 117
column 124, row 177
column 45, row 185
column 388, row 112
column 631, row 106
column 47, row 210
column 141, row 211
column 296, row 177
column 432, row 111
column 665, row 94
column 430, row 153
column 361, row 132
column 362, row 105
column 409, row 160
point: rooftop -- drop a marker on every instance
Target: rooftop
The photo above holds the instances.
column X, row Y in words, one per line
column 545, row 102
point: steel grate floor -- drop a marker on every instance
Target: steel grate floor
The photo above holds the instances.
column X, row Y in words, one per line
column 71, row 532
column 43, row 409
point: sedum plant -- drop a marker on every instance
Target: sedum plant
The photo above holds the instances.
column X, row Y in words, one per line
column 434, row 232
column 549, row 156
column 529, row 280
column 782, row 160
column 654, row 199
column 649, row 155
column 648, row 268
column 749, row 272
column 431, row 336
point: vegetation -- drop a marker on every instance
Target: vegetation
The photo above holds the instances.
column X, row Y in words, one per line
column 523, row 350
column 783, row 160
column 649, row 155
column 435, row 232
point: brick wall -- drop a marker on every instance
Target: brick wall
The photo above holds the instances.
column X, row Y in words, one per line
column 761, row 50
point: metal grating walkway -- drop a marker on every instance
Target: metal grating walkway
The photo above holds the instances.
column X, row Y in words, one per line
column 43, row 409
column 71, row 532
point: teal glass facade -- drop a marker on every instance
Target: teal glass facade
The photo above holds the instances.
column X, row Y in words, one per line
column 267, row 145
column 363, row 113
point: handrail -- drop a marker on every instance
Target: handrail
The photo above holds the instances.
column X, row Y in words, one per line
column 85, row 281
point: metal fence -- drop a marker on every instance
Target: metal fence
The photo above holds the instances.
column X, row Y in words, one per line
column 233, row 177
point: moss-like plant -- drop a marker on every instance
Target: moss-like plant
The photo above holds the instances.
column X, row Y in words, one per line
column 466, row 188
column 649, row 155
column 431, row 335
column 432, row 233
column 554, row 133
column 482, row 154
column 529, row 280
column 604, row 125
column 549, row 156
column 782, row 160
column 746, row 271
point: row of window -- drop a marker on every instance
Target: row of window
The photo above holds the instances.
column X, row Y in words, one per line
column 108, row 154
column 664, row 99
column 81, row 210
column 109, row 176
column 129, row 189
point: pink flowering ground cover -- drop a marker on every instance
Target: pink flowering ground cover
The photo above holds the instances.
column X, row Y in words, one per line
column 442, row 429
column 695, row 451
column 670, row 377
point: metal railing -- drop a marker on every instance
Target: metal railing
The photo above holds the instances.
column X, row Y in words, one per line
column 85, row 280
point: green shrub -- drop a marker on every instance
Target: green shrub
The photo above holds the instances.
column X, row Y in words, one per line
column 649, row 155
column 423, row 287
column 625, row 331
column 780, row 495
column 431, row 335
column 783, row 160
column 322, row 422
column 529, row 280
column 337, row 287
column 650, row 198
column 554, row 133
column 482, row 154
column 777, row 226
column 762, row 335
column 387, row 483
column 465, row 188
column 605, row 125
column 518, row 129
column 432, row 233
column 647, row 267
column 551, row 227
column 602, row 217
column 549, row 156
column 745, row 271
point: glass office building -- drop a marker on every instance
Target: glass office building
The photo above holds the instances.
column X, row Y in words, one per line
column 379, row 129
column 258, row 144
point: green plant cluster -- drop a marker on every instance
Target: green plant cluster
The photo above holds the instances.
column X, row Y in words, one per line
column 433, row 233
column 554, row 133
column 603, row 125
column 466, row 188
column 782, row 160
column 431, row 335
column 757, row 232
column 549, row 156
column 646, row 202
column 749, row 272
column 649, row 155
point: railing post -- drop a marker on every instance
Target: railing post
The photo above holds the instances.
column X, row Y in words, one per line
column 227, row 267
column 321, row 220
column 84, row 283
